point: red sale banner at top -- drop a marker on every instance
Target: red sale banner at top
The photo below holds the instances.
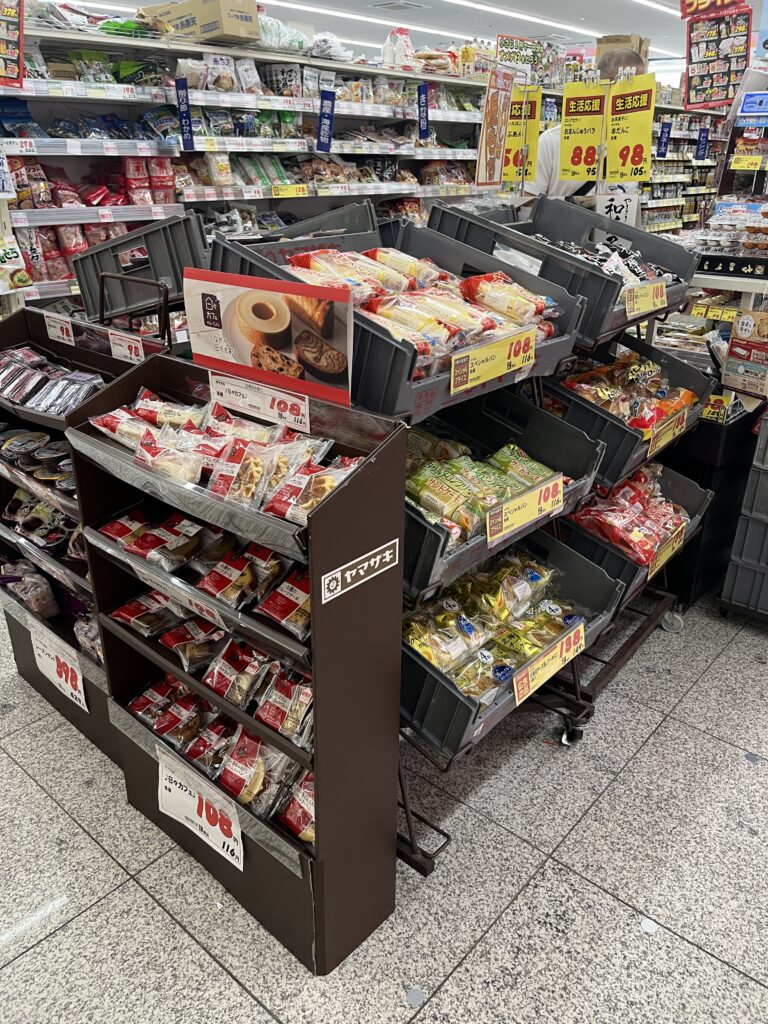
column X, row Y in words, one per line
column 689, row 8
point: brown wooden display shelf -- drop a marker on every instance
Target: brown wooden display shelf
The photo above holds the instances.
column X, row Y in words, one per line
column 320, row 907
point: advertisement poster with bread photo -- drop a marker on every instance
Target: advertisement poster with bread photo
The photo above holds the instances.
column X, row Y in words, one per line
column 287, row 334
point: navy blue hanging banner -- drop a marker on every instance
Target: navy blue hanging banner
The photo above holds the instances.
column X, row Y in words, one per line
column 663, row 143
column 185, row 121
column 701, row 144
column 423, row 108
column 325, row 121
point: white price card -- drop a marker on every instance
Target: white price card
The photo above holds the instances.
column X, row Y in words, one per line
column 261, row 401
column 126, row 346
column 74, row 147
column 59, row 663
column 252, row 192
column 110, row 148
column 106, row 215
column 143, row 149
column 59, row 329
column 23, row 146
column 157, row 212
column 186, row 797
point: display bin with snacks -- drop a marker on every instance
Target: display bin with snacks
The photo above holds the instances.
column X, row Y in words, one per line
column 656, row 398
column 643, row 555
column 553, row 237
column 386, row 377
column 219, row 674
column 433, row 557
column 355, row 223
column 452, row 716
column 46, row 590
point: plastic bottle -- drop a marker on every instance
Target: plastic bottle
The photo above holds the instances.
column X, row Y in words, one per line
column 388, row 52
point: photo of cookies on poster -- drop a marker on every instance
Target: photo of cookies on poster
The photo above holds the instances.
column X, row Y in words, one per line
column 289, row 335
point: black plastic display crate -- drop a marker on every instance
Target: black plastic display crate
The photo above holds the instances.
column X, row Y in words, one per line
column 625, row 446
column 352, row 227
column 566, row 222
column 383, row 368
column 746, row 589
column 438, row 712
column 486, row 424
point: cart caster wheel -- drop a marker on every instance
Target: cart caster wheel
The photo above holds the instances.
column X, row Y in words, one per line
column 673, row 622
column 571, row 735
column 723, row 613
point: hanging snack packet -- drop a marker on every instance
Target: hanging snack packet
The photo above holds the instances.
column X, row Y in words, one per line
column 297, row 814
column 148, row 614
column 287, row 703
column 239, row 671
column 194, row 642
column 232, row 581
column 253, row 772
column 289, row 604
column 150, row 704
column 209, row 748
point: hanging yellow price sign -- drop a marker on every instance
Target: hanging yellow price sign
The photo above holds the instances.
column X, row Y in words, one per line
column 746, row 162
column 549, row 662
column 581, row 130
column 644, row 298
column 630, row 123
column 522, row 131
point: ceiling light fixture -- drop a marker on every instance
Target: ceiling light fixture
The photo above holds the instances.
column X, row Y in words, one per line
column 349, row 16
column 667, row 53
column 359, row 42
column 674, row 11
column 108, row 7
column 580, row 30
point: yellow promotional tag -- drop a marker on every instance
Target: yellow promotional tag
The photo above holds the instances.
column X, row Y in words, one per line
column 700, row 309
column 486, row 362
column 581, row 130
column 728, row 314
column 210, row 144
column 630, row 122
column 289, row 191
column 667, row 549
column 716, row 408
column 544, row 499
column 667, row 432
column 644, row 298
column 746, row 162
column 522, row 130
column 549, row 663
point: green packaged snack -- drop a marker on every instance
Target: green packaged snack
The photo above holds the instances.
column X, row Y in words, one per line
column 486, row 480
column 446, row 494
column 513, row 461
column 433, row 448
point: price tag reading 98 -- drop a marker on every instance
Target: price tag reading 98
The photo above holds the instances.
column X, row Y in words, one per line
column 630, row 123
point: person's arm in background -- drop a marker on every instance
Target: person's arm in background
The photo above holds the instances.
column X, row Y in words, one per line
column 546, row 170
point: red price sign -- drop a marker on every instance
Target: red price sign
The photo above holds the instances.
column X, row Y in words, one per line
column 126, row 346
column 60, row 664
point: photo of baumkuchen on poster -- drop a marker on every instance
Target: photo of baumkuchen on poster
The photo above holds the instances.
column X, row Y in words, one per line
column 287, row 334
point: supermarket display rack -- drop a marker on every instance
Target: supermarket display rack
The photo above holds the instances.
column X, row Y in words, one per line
column 320, row 903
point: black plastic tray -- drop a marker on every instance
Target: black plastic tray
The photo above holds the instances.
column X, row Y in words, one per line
column 606, row 315
column 487, row 423
column 382, row 368
column 625, row 447
column 451, row 722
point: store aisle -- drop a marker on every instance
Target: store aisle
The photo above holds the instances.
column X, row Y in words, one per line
column 622, row 879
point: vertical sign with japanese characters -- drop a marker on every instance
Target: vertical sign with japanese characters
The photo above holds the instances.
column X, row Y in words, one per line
column 185, row 118
column 662, row 144
column 702, row 142
column 423, row 105
column 325, row 121
column 12, row 43
column 581, row 130
column 493, row 134
column 522, row 135
column 630, row 126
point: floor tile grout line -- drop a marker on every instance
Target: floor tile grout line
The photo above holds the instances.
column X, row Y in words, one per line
column 714, row 736
column 661, row 924
column 677, row 704
column 207, row 951
column 27, row 725
column 65, row 924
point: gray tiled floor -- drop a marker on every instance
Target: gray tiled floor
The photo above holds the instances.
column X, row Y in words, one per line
column 621, row 879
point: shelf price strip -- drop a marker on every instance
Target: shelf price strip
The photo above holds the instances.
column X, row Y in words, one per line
column 645, row 298
column 667, row 549
column 188, row 799
column 546, row 499
column 60, row 664
column 667, row 432
column 549, row 663
column 746, row 162
column 487, row 362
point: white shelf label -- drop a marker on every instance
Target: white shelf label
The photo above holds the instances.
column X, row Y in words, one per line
column 19, row 219
column 158, row 212
column 252, row 192
column 110, row 148
column 59, row 329
column 209, row 193
column 126, row 346
column 74, row 147
column 186, row 797
column 266, row 403
column 143, row 148
column 23, row 146
column 59, row 663
column 106, row 216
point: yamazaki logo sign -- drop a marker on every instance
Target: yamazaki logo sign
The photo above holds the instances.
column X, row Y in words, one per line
column 690, row 7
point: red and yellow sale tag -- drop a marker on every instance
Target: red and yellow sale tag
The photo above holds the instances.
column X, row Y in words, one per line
column 629, row 128
column 667, row 549
column 549, row 663
column 581, row 130
column 473, row 366
column 667, row 431
column 522, row 132
column 644, row 298
column 545, row 499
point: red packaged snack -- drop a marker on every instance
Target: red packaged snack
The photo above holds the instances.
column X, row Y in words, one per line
column 127, row 528
column 148, row 406
column 156, row 167
column 289, row 604
column 239, row 671
column 283, row 500
column 122, row 425
column 308, row 487
column 233, row 580
column 181, row 721
column 71, row 239
column 163, row 195
column 266, row 564
column 209, row 748
column 253, row 772
column 194, row 642
column 242, row 474
column 92, row 195
column 148, row 614
column 150, row 704
column 169, row 545
column 298, row 812
column 95, row 233
column 287, row 703
column 135, row 167
column 224, row 422
column 152, row 452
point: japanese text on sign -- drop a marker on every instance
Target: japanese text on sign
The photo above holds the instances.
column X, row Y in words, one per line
column 546, row 499
column 667, row 549
column 187, row 798
column 423, row 108
column 522, row 135
column 644, row 298
column 667, row 432
column 60, row 664
column 690, row 7
column 325, row 122
column 261, row 401
column 487, row 362
column 549, row 662
column 59, row 328
column 630, row 124
column 493, row 134
column 185, row 118
column 337, row 582
column 581, row 131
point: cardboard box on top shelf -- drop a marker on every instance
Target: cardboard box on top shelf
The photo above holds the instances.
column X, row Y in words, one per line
column 636, row 43
column 233, row 21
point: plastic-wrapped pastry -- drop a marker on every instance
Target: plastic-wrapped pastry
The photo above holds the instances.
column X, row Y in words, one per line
column 239, row 671
column 169, row 545
column 499, row 292
column 423, row 273
column 232, row 580
column 289, row 604
column 194, row 642
column 297, row 814
column 122, row 425
column 243, row 472
column 512, row 460
column 286, row 703
column 500, row 593
column 185, row 466
column 150, row 704
column 181, row 721
column 157, row 412
column 125, row 529
column 266, row 564
column 86, row 630
column 447, row 494
column 34, row 591
column 208, row 749
column 485, row 672
column 253, row 771
column 444, row 633
column 148, row 614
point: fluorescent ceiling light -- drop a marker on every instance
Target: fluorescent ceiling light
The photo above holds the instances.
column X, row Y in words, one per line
column 108, row 7
column 359, row 42
column 667, row 53
column 674, row 11
column 579, row 30
column 349, row 16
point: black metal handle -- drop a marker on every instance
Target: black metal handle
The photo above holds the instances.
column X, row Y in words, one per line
column 163, row 313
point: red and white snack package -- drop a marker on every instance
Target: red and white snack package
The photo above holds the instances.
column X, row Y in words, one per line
column 127, row 528
column 121, row 425
column 289, row 604
column 209, row 445
column 232, row 580
column 157, row 412
column 222, row 420
column 170, row 545
column 209, row 748
column 253, row 772
column 267, row 566
column 148, row 614
column 297, row 812
column 135, row 167
column 284, row 498
column 239, row 672
column 194, row 642
column 71, row 239
column 216, row 543
column 287, row 703
column 242, row 474
column 150, row 704
column 157, row 456
column 181, row 721
column 308, row 487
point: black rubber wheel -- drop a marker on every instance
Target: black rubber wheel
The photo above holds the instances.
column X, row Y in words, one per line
column 724, row 613
column 570, row 735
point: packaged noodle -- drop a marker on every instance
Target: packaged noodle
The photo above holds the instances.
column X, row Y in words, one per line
column 423, row 272
column 444, row 633
column 500, row 293
column 512, row 460
column 253, row 771
column 447, row 494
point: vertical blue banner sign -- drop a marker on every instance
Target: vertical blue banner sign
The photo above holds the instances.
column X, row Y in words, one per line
column 423, row 107
column 701, row 144
column 663, row 142
column 185, row 120
column 325, row 121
